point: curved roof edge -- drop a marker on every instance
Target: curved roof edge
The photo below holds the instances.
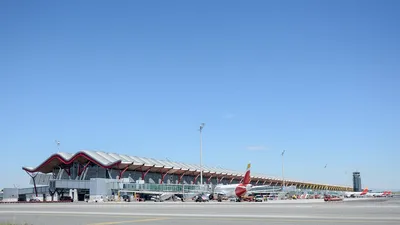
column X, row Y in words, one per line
column 111, row 160
column 71, row 159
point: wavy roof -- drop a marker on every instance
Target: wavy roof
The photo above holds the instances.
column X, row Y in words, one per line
column 118, row 161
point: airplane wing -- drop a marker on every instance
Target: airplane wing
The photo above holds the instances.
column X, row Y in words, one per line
column 220, row 193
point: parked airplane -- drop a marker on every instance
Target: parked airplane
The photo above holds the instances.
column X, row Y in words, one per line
column 235, row 190
column 389, row 194
column 379, row 194
column 356, row 194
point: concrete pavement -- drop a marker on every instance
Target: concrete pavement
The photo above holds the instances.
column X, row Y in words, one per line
column 355, row 212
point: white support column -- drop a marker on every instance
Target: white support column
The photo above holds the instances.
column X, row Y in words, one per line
column 75, row 195
column 55, row 197
column 109, row 174
column 84, row 173
column 59, row 175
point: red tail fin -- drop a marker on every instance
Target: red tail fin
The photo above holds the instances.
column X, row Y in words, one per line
column 365, row 191
column 247, row 178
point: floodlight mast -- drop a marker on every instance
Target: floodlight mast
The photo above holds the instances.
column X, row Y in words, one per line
column 201, row 153
column 283, row 177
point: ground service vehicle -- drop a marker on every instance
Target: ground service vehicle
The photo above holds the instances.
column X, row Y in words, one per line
column 331, row 198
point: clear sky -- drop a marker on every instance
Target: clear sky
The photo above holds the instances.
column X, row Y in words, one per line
column 319, row 79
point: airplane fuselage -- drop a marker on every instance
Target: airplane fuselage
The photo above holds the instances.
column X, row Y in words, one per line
column 232, row 190
column 235, row 190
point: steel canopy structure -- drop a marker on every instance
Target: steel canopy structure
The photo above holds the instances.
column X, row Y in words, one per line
column 123, row 163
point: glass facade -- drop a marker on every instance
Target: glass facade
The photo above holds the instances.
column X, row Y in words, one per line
column 166, row 187
column 356, row 182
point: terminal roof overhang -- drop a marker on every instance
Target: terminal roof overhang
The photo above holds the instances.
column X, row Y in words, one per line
column 121, row 162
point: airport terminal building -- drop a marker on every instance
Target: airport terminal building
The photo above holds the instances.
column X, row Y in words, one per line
column 98, row 174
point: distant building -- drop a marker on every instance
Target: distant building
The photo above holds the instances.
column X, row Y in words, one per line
column 357, row 182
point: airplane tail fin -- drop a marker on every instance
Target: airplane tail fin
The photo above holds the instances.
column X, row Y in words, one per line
column 365, row 191
column 247, row 178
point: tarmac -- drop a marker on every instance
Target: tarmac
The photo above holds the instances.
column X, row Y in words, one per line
column 377, row 211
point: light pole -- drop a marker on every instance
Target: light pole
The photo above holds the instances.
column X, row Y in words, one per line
column 283, row 177
column 58, row 145
column 201, row 154
column 326, row 186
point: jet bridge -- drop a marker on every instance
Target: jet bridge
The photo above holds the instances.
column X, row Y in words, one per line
column 173, row 188
column 164, row 190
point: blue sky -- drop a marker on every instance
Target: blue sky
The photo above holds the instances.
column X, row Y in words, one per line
column 318, row 79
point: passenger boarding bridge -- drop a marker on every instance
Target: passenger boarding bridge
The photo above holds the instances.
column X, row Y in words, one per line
column 172, row 188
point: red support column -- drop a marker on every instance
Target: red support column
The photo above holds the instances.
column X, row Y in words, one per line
column 270, row 183
column 195, row 179
column 145, row 173
column 241, row 180
column 34, row 181
column 209, row 179
column 264, row 182
column 163, row 176
column 219, row 181
column 231, row 180
column 123, row 171
column 257, row 182
column 68, row 170
column 83, row 170
column 181, row 176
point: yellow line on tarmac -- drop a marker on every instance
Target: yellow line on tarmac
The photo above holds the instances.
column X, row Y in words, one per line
column 129, row 221
column 284, row 220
